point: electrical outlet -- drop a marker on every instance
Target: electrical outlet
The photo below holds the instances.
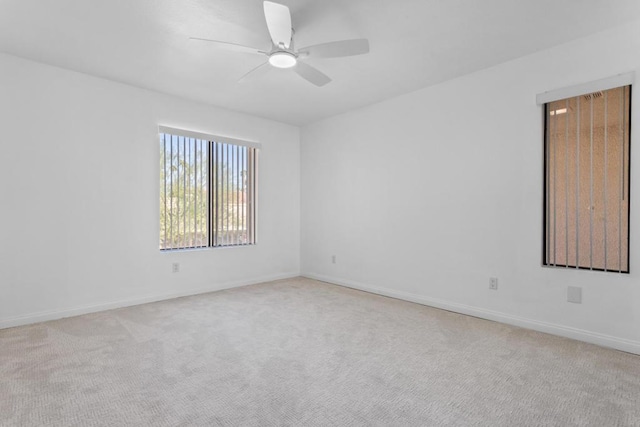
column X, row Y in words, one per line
column 175, row 267
column 493, row 283
column 574, row 294
column 333, row 259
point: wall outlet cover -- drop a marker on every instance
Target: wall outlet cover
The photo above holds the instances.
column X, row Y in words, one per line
column 574, row 294
column 493, row 283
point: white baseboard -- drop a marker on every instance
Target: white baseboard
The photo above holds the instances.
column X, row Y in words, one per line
column 617, row 343
column 77, row 311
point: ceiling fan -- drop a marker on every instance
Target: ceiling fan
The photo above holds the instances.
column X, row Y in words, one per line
column 283, row 53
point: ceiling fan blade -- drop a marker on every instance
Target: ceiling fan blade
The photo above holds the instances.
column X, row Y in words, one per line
column 278, row 20
column 311, row 74
column 233, row 47
column 256, row 72
column 337, row 49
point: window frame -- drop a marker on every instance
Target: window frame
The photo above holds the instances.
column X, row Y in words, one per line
column 544, row 100
column 252, row 160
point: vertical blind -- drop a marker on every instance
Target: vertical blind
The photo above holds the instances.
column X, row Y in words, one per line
column 233, row 183
column 207, row 192
column 587, row 181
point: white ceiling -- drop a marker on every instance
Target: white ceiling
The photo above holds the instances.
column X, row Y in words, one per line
column 414, row 43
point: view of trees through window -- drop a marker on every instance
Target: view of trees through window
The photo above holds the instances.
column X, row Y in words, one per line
column 206, row 193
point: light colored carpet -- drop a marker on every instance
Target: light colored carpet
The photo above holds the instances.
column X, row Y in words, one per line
column 301, row 352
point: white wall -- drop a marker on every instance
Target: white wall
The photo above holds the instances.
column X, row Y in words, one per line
column 427, row 195
column 79, row 196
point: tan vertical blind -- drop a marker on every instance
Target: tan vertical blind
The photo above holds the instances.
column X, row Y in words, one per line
column 587, row 181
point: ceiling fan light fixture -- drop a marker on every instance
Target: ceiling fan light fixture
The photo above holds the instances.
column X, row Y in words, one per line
column 282, row 60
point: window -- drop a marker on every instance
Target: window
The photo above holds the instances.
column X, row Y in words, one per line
column 207, row 190
column 586, row 189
